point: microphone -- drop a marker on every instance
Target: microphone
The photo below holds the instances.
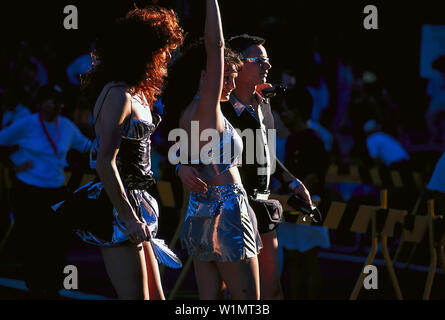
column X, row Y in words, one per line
column 273, row 91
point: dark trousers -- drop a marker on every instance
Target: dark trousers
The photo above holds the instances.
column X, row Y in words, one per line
column 38, row 240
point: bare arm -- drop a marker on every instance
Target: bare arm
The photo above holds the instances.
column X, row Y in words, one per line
column 116, row 108
column 212, row 82
column 281, row 172
column 210, row 89
column 284, row 175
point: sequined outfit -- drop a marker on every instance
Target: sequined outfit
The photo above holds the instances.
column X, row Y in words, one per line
column 135, row 171
column 219, row 225
column 134, row 164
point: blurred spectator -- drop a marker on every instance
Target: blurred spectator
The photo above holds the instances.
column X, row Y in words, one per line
column 324, row 134
column 282, row 130
column 436, row 92
column 82, row 116
column 382, row 146
column 345, row 82
column 319, row 90
column 12, row 108
column 43, row 141
column 25, row 75
column 369, row 100
column 305, row 152
column 27, row 71
column 48, row 55
column 306, row 156
column 77, row 67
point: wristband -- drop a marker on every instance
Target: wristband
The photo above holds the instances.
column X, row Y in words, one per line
column 294, row 184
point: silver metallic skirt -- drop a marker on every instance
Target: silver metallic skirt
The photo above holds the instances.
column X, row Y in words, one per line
column 219, row 225
column 145, row 206
column 147, row 210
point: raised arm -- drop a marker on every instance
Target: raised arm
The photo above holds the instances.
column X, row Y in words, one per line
column 211, row 86
column 116, row 108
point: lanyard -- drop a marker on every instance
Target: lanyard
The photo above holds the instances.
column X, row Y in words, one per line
column 48, row 137
column 266, row 146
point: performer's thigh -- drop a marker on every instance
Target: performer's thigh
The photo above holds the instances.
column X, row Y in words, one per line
column 126, row 268
column 208, row 279
column 241, row 278
column 269, row 270
column 153, row 274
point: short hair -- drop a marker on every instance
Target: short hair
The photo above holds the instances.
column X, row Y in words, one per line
column 242, row 42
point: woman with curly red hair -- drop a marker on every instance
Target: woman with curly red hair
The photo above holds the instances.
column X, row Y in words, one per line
column 128, row 75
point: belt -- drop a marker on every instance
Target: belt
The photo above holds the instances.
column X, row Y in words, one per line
column 261, row 195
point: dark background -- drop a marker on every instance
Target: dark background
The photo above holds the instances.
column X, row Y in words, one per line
column 292, row 30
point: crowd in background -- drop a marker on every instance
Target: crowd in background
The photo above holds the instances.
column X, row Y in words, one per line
column 334, row 109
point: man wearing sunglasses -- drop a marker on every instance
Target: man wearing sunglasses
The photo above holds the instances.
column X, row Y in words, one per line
column 247, row 109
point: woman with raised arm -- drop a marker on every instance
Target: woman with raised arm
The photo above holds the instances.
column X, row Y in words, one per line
column 126, row 80
column 218, row 231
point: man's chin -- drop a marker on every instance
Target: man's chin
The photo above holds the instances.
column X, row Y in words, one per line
column 262, row 80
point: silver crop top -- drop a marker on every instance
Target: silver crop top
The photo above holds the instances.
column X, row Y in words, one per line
column 220, row 156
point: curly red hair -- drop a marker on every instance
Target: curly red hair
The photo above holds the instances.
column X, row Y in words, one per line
column 136, row 50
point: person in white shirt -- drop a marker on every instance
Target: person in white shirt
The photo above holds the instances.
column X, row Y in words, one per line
column 382, row 146
column 43, row 141
column 11, row 110
column 78, row 67
column 44, row 138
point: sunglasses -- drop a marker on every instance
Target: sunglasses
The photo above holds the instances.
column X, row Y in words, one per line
column 260, row 60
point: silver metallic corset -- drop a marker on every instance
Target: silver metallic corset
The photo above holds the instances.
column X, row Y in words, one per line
column 134, row 157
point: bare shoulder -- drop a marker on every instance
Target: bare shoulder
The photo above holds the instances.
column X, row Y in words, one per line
column 117, row 93
column 113, row 102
